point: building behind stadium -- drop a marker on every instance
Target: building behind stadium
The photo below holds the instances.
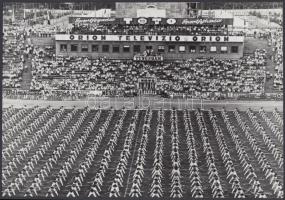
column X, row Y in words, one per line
column 170, row 45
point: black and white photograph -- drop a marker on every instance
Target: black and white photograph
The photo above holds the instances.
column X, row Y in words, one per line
column 142, row 100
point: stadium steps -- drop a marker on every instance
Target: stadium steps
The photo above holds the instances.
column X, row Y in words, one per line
column 234, row 154
column 27, row 75
column 218, row 156
column 260, row 174
column 201, row 155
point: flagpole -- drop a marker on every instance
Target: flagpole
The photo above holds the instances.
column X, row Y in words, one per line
column 13, row 14
column 35, row 14
column 24, row 12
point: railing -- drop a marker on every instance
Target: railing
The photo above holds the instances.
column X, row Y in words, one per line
column 143, row 32
column 72, row 95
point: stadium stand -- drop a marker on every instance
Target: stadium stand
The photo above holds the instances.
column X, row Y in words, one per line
column 38, row 70
column 152, row 30
column 120, row 78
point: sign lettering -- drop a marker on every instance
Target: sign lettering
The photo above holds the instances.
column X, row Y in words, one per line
column 154, row 20
column 128, row 20
column 149, row 38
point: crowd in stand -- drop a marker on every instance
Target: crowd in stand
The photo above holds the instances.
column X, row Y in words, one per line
column 17, row 50
column 121, row 78
column 216, row 77
column 147, row 30
column 14, row 56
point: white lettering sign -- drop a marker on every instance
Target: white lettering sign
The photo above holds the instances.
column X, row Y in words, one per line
column 142, row 20
column 93, row 20
column 128, row 20
column 149, row 38
column 156, row 20
column 201, row 21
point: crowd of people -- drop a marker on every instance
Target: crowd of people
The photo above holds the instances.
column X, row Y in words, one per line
column 247, row 166
column 156, row 187
column 28, row 165
column 118, row 180
column 138, row 175
column 14, row 56
column 117, row 29
column 266, row 166
column 18, row 50
column 105, row 162
column 275, row 39
column 121, row 78
column 232, row 175
column 217, row 78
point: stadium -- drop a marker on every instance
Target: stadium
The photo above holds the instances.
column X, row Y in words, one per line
column 142, row 100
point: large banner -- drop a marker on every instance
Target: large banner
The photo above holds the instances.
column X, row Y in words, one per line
column 148, row 58
column 149, row 38
column 150, row 21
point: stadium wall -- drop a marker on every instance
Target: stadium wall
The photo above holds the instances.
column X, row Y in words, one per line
column 143, row 45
